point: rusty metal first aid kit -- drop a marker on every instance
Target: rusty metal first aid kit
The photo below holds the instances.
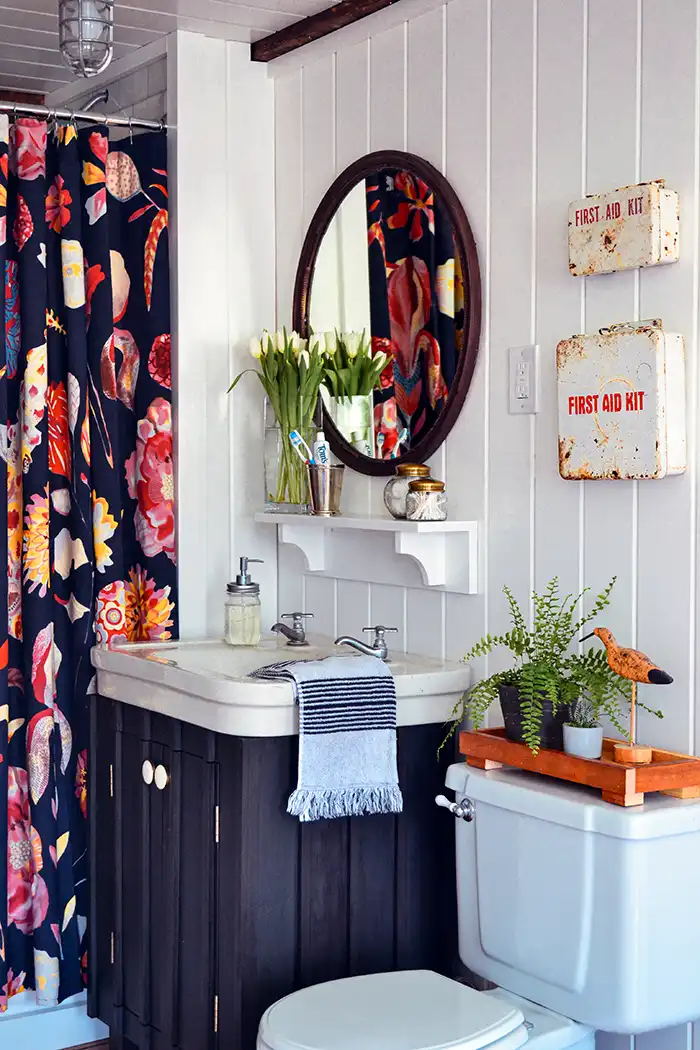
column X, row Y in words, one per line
column 621, row 395
column 630, row 227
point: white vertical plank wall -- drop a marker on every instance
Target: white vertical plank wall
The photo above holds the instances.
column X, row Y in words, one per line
column 223, row 256
column 525, row 105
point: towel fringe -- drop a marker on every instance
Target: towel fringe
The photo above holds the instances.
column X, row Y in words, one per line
column 317, row 803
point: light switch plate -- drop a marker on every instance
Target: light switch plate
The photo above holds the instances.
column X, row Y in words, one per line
column 523, row 380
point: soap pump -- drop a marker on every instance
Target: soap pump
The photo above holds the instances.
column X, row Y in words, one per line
column 242, row 608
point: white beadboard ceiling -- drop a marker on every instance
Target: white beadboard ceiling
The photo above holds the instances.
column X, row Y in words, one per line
column 29, row 58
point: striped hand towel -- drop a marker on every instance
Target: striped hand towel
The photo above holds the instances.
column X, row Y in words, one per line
column 347, row 736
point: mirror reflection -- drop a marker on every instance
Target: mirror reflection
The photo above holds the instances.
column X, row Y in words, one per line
column 388, row 294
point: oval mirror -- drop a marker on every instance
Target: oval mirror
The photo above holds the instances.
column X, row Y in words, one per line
column 389, row 272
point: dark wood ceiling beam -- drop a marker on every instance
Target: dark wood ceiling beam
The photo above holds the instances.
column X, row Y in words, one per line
column 314, row 27
column 9, row 95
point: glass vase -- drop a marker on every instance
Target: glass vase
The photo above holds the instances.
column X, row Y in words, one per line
column 286, row 478
column 354, row 418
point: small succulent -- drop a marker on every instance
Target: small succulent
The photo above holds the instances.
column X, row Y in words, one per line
column 582, row 714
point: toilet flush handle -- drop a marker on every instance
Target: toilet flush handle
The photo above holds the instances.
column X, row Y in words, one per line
column 462, row 811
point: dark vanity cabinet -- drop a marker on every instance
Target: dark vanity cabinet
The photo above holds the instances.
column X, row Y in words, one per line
column 209, row 902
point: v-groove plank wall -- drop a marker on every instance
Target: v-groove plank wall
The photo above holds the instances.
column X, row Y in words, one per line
column 525, row 105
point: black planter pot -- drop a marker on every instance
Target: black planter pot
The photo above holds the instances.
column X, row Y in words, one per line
column 551, row 733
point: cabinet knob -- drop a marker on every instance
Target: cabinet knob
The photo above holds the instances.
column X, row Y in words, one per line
column 161, row 777
column 147, row 772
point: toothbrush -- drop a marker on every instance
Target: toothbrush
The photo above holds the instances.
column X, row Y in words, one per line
column 301, row 448
column 380, row 444
column 399, row 442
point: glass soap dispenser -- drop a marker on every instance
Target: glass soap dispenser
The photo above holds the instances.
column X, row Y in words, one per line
column 242, row 608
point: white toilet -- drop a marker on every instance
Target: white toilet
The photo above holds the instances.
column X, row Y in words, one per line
column 586, row 915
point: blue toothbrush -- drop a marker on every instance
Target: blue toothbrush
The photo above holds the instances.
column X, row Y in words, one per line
column 301, row 448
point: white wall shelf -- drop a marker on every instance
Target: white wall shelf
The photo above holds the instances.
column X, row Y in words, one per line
column 444, row 551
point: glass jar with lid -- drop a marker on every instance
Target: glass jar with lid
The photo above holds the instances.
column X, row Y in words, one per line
column 242, row 608
column 426, row 500
column 396, row 489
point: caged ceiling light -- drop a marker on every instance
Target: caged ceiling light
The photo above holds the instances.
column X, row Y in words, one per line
column 86, row 35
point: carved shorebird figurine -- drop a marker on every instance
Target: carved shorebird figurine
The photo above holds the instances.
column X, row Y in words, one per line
column 636, row 667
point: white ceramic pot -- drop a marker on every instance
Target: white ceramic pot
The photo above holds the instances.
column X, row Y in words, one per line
column 585, row 743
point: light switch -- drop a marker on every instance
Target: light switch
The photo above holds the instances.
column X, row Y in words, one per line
column 523, row 380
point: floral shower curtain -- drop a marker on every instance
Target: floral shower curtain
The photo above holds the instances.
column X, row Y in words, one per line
column 87, row 529
column 416, row 303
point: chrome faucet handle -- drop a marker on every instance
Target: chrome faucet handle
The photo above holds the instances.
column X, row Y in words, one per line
column 379, row 631
column 297, row 619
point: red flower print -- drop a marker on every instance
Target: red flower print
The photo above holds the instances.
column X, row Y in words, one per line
column 23, row 226
column 159, row 360
column 28, row 147
column 14, row 985
column 110, row 614
column 386, row 423
column 149, row 475
column 81, row 781
column 99, row 145
column 419, row 201
column 437, row 388
column 381, row 345
column 94, row 275
column 409, row 296
column 58, row 430
column 57, row 201
column 120, row 383
column 96, row 206
column 27, row 898
column 148, row 608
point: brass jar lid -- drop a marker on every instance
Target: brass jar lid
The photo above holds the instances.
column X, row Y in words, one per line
column 426, row 485
column 413, row 470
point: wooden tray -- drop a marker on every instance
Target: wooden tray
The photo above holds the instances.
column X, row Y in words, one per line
column 669, row 772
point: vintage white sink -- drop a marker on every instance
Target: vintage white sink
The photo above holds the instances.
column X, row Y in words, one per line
column 205, row 683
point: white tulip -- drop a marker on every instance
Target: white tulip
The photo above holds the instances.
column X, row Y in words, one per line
column 256, row 348
column 315, row 344
column 265, row 340
column 331, row 342
column 294, row 342
column 380, row 360
column 352, row 343
column 304, row 356
column 280, row 341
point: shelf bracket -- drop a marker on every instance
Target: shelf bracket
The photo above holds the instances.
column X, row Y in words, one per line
column 311, row 542
column 428, row 551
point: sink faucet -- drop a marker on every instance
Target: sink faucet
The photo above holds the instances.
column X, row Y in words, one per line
column 296, row 634
column 378, row 647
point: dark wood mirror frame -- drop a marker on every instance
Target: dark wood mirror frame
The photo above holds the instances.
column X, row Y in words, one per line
column 464, row 245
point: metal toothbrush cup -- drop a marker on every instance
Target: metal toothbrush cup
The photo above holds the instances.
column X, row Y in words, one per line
column 325, row 484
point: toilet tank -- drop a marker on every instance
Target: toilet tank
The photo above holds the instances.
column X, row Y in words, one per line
column 587, row 908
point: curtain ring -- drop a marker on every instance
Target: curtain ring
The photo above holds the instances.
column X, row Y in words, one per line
column 163, row 126
column 14, row 113
column 131, row 133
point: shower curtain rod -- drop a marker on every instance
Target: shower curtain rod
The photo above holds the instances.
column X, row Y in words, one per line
column 26, row 109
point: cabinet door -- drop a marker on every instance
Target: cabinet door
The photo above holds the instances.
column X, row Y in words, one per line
column 166, row 863
column 194, row 834
column 134, row 797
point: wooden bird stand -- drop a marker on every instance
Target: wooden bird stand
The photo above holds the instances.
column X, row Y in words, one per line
column 632, row 753
column 635, row 666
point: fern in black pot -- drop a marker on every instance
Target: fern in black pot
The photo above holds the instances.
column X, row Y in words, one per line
column 547, row 677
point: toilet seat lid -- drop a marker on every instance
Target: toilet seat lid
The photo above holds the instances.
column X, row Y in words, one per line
column 408, row 1010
